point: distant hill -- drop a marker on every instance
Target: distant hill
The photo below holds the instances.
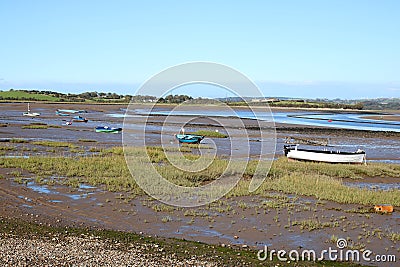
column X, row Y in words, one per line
column 22, row 95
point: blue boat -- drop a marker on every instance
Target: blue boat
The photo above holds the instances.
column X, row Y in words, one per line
column 59, row 113
column 79, row 119
column 71, row 111
column 189, row 138
column 106, row 129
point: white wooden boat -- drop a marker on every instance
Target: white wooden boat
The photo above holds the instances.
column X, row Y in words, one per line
column 30, row 114
column 293, row 152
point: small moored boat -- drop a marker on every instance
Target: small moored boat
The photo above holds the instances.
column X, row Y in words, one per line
column 71, row 111
column 30, row 114
column 292, row 152
column 106, row 129
column 79, row 119
column 59, row 113
column 189, row 138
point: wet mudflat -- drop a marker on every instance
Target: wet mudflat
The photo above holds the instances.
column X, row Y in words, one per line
column 276, row 219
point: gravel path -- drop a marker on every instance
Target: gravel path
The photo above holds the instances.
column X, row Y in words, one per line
column 86, row 251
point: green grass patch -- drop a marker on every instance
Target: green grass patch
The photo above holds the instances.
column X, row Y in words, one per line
column 209, row 134
column 20, row 95
column 312, row 224
column 39, row 125
column 35, row 127
column 282, row 167
column 328, row 188
column 7, row 148
column 394, row 236
column 18, row 140
column 54, row 144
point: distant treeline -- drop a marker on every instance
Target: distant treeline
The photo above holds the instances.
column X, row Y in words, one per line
column 100, row 97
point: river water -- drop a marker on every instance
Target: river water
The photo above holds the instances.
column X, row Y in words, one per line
column 342, row 120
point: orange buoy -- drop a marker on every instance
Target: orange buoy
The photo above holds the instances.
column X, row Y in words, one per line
column 384, row 208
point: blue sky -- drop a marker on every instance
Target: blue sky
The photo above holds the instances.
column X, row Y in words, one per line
column 344, row 49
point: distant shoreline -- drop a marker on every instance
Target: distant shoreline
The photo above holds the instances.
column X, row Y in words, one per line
column 373, row 112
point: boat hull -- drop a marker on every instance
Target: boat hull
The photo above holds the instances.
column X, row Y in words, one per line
column 29, row 114
column 189, row 138
column 79, row 119
column 108, row 130
column 62, row 114
column 325, row 156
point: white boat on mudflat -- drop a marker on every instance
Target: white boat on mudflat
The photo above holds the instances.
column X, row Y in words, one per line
column 292, row 152
column 30, row 114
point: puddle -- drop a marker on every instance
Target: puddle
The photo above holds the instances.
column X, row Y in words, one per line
column 44, row 189
column 85, row 186
column 375, row 186
column 77, row 196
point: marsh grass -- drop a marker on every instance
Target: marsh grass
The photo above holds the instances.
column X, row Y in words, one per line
column 162, row 207
column 312, row 224
column 109, row 168
column 394, row 236
column 18, row 140
column 7, row 148
column 282, row 166
column 39, row 125
column 209, row 134
column 195, row 213
column 35, row 127
column 360, row 210
column 54, row 144
column 328, row 188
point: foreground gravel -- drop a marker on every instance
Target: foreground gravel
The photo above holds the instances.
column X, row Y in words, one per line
column 86, row 251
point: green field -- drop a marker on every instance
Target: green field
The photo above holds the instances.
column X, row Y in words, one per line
column 20, row 95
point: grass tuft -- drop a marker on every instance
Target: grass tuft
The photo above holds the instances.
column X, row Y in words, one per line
column 210, row 134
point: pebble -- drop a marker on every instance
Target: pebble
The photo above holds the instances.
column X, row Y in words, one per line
column 85, row 251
